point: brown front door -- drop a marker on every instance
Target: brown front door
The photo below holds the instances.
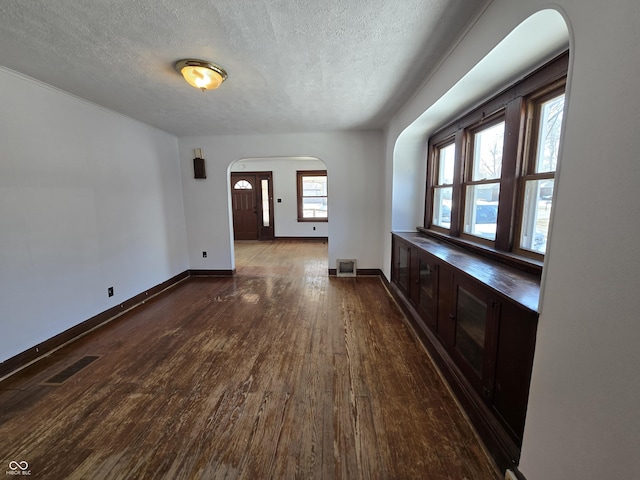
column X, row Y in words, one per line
column 252, row 205
column 244, row 205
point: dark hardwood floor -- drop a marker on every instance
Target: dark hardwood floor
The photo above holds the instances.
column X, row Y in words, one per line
column 279, row 372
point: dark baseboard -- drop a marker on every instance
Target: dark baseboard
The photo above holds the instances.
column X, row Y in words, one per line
column 42, row 349
column 517, row 473
column 385, row 281
column 304, row 239
column 211, row 273
column 360, row 272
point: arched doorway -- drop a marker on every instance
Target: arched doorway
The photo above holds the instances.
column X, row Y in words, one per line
column 276, row 228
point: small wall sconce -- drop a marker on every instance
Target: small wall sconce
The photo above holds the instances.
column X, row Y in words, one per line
column 198, row 164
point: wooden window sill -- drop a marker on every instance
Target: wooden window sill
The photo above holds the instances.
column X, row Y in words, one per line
column 520, row 262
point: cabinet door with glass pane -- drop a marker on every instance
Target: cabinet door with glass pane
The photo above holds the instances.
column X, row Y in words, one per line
column 426, row 296
column 474, row 314
column 402, row 265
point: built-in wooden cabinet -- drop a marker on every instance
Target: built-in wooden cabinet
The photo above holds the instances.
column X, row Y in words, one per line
column 478, row 319
column 403, row 267
column 426, row 289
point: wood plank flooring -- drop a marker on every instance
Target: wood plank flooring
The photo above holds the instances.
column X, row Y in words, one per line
column 271, row 374
column 281, row 258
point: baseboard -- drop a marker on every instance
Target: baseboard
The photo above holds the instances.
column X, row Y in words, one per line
column 23, row 359
column 211, row 273
column 305, row 239
column 513, row 472
column 360, row 272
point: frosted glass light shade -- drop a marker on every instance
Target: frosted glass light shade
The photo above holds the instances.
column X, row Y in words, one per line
column 201, row 74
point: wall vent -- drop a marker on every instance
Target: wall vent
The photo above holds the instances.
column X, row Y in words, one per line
column 346, row 268
column 71, row 370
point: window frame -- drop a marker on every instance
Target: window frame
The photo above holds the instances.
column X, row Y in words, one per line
column 513, row 106
column 469, row 164
column 532, row 124
column 450, row 140
column 299, row 176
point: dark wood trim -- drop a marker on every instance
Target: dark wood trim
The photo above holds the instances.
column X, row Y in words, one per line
column 211, row 273
column 525, row 264
column 315, row 219
column 308, row 173
column 513, row 134
column 546, row 74
column 457, row 196
column 509, row 105
column 504, row 451
column 519, row 475
column 45, row 348
column 306, row 239
column 361, row 272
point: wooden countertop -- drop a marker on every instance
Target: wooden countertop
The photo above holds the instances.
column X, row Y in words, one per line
column 519, row 286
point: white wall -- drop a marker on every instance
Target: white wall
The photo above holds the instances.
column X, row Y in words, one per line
column 583, row 419
column 88, row 199
column 354, row 163
column 285, row 188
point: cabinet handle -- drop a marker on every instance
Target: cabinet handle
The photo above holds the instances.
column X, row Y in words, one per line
column 452, row 316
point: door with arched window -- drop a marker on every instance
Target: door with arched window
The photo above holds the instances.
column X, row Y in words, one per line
column 252, row 205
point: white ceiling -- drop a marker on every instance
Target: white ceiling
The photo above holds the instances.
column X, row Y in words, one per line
column 294, row 65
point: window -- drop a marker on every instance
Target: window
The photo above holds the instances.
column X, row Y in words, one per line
column 491, row 173
column 545, row 116
column 242, row 185
column 266, row 207
column 312, row 196
column 482, row 187
column 443, row 188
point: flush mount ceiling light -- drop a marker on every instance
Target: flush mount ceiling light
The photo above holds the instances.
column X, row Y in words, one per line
column 201, row 74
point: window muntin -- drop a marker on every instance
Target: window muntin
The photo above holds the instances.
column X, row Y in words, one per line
column 538, row 182
column 312, row 196
column 242, row 185
column 443, row 190
column 504, row 170
column 482, row 189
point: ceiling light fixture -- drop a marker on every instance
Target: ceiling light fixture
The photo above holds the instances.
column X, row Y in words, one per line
column 201, row 74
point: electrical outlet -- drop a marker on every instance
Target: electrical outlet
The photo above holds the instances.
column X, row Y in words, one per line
column 204, row 254
column 110, row 291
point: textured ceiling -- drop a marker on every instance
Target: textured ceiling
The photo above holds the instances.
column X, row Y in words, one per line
column 294, row 65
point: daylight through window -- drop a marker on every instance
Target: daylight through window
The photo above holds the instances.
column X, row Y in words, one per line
column 312, row 196
column 491, row 173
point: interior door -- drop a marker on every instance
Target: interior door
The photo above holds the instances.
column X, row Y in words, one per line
column 244, row 206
